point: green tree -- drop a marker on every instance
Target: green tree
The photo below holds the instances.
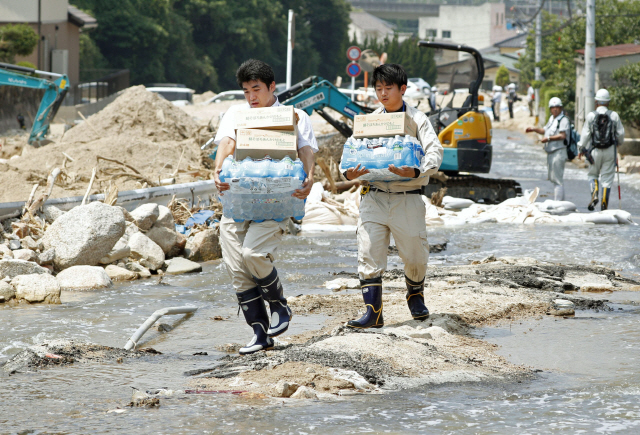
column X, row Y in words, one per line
column 616, row 23
column 625, row 94
column 502, row 76
column 90, row 55
column 16, row 40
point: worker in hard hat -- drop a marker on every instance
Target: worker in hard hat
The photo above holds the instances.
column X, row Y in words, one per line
column 601, row 133
column 555, row 132
column 496, row 100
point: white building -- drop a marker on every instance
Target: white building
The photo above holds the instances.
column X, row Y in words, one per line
column 476, row 26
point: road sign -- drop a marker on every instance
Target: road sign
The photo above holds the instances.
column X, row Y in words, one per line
column 353, row 53
column 353, row 69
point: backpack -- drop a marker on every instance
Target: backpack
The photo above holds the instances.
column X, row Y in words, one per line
column 571, row 141
column 602, row 133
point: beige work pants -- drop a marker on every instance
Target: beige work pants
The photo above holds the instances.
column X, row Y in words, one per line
column 401, row 215
column 249, row 249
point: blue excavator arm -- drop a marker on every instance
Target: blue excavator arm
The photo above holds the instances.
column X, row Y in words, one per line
column 54, row 92
column 317, row 94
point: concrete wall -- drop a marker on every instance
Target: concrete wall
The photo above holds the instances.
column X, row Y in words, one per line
column 477, row 26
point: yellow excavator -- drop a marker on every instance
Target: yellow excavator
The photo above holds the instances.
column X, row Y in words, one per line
column 465, row 132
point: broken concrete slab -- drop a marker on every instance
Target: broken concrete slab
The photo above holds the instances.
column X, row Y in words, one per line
column 179, row 265
column 83, row 278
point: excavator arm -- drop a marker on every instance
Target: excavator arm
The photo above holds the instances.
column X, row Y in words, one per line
column 55, row 91
column 317, row 94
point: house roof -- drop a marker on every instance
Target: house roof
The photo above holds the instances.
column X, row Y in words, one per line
column 500, row 59
column 366, row 21
column 80, row 18
column 517, row 41
column 615, row 50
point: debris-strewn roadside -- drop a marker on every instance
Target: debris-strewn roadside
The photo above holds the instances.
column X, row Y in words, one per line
column 406, row 353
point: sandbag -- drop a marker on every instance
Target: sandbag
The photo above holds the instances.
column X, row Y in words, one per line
column 451, row 203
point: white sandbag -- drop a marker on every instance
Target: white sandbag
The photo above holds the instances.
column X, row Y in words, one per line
column 573, row 218
column 319, row 228
column 623, row 217
column 600, row 218
column 321, row 213
column 451, row 203
column 316, row 193
column 552, row 206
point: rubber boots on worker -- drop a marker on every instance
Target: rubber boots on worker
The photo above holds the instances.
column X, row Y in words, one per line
column 558, row 193
column 255, row 313
column 280, row 313
column 594, row 194
column 372, row 295
column 605, row 198
column 415, row 300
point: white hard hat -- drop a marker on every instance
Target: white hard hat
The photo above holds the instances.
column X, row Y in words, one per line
column 603, row 96
column 555, row 102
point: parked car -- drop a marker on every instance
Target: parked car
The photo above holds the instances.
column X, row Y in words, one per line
column 225, row 96
column 178, row 94
column 421, row 84
column 413, row 91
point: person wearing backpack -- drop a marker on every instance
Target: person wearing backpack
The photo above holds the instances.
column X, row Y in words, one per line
column 601, row 133
column 555, row 132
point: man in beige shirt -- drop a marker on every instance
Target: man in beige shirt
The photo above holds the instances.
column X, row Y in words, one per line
column 395, row 208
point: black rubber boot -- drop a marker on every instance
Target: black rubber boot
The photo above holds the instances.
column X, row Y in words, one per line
column 372, row 295
column 272, row 292
column 605, row 198
column 255, row 313
column 415, row 299
column 594, row 194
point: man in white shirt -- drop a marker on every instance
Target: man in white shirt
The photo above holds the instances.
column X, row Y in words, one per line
column 496, row 100
column 249, row 248
column 555, row 132
column 601, row 133
column 531, row 98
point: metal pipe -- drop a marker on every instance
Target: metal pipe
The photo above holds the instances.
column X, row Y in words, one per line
column 133, row 341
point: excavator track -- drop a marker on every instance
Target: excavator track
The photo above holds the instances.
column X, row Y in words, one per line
column 478, row 189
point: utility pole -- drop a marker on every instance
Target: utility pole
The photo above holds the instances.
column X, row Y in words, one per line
column 590, row 59
column 538, row 56
column 39, row 33
column 290, row 42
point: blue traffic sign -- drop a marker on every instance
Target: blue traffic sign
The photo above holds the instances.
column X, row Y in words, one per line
column 353, row 69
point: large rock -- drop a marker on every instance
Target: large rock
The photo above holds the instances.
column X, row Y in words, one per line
column 37, row 288
column 7, row 292
column 83, row 278
column 146, row 215
column 164, row 237
column 118, row 274
column 305, row 393
column 181, row 265
column 13, row 268
column 85, row 234
column 204, row 246
column 146, row 251
column 165, row 218
column 25, row 254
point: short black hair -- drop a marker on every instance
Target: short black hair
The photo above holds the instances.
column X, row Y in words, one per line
column 254, row 69
column 389, row 74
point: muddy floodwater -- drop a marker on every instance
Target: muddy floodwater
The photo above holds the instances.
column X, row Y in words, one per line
column 588, row 378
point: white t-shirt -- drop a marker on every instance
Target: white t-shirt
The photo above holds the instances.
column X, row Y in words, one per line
column 227, row 127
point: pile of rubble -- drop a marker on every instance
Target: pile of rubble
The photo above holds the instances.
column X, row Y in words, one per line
column 91, row 246
column 139, row 140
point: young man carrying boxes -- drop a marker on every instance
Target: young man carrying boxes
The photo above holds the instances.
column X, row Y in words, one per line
column 249, row 248
column 394, row 207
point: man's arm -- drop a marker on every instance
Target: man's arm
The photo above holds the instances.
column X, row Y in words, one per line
column 585, row 136
column 308, row 162
column 226, row 148
column 538, row 130
column 619, row 130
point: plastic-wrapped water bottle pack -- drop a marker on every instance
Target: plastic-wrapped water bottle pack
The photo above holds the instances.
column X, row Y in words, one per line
column 261, row 189
column 377, row 154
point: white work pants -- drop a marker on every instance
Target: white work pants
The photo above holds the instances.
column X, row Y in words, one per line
column 555, row 162
column 604, row 166
column 249, row 249
column 383, row 214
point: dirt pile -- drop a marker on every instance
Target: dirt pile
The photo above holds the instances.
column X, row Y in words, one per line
column 140, row 129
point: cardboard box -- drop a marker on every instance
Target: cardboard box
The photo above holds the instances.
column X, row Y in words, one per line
column 270, row 118
column 258, row 143
column 384, row 124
